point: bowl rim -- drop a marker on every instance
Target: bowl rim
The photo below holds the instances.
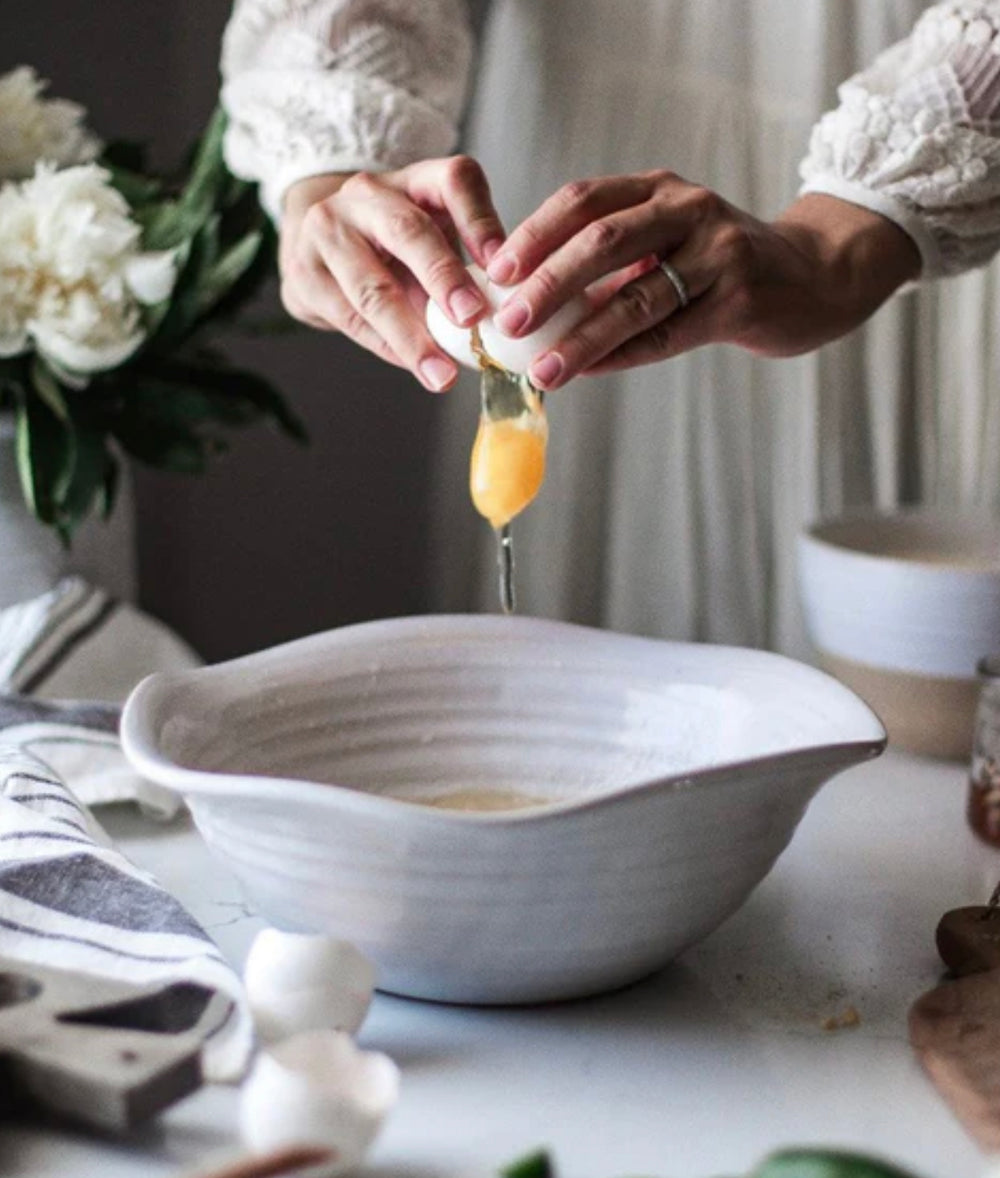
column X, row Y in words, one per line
column 813, row 534
column 142, row 749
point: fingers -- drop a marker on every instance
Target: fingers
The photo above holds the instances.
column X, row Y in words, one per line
column 458, row 187
column 559, row 218
column 402, row 229
column 602, row 247
column 386, row 243
column 377, row 298
column 316, row 299
column 595, row 227
column 692, row 328
column 646, row 305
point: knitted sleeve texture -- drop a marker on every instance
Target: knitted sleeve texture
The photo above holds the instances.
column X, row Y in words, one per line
column 916, row 137
column 313, row 86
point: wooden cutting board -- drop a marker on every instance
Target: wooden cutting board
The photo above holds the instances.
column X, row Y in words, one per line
column 100, row 1052
column 955, row 1031
column 955, row 1028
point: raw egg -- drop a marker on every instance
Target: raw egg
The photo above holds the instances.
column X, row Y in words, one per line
column 508, row 465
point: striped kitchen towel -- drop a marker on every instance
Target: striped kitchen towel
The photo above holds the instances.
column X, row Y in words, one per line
column 75, row 643
column 68, row 898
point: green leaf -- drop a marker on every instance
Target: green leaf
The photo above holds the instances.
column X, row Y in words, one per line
column 168, row 224
column 107, row 494
column 181, row 316
column 79, row 486
column 138, row 190
column 164, row 426
column 47, row 387
column 256, row 390
column 44, row 453
column 532, row 1165
column 167, row 448
column 234, row 396
column 209, row 175
column 822, row 1163
column 217, row 279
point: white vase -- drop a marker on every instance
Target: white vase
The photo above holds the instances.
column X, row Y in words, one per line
column 32, row 557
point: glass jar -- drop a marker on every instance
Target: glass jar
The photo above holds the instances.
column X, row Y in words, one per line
column 984, row 782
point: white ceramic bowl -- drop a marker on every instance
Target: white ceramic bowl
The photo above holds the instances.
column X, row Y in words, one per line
column 902, row 607
column 674, row 775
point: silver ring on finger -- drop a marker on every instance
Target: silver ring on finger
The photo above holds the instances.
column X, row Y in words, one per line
column 677, row 282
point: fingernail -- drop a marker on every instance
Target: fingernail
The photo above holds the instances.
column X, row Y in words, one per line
column 437, row 373
column 466, row 303
column 490, row 248
column 513, row 316
column 546, row 369
column 502, row 268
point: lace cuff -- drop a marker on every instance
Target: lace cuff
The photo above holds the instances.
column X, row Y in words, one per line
column 917, row 138
column 313, row 86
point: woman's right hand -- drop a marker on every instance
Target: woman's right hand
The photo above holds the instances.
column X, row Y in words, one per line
column 362, row 253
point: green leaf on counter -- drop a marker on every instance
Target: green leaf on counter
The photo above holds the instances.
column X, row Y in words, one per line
column 787, row 1163
column 532, row 1165
column 822, row 1163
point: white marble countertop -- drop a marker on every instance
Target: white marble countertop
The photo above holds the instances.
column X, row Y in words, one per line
column 697, row 1072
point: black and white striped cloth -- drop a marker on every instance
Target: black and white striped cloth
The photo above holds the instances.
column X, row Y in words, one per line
column 68, row 898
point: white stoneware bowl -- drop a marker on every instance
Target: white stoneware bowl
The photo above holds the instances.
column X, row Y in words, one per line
column 901, row 607
column 673, row 776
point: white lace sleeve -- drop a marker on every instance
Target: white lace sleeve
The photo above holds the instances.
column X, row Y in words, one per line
column 917, row 137
column 314, row 86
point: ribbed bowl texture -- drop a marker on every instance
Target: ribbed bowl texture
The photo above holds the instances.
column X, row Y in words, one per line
column 673, row 776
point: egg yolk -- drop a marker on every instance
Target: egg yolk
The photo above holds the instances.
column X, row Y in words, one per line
column 508, row 465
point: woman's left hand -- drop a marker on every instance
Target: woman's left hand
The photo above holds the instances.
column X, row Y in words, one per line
column 776, row 289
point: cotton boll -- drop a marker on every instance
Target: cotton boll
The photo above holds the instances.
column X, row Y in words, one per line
column 299, row 982
column 317, row 1089
column 515, row 355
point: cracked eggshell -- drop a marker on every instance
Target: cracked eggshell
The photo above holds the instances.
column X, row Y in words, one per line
column 318, row 1089
column 515, row 355
column 457, row 341
column 300, row 982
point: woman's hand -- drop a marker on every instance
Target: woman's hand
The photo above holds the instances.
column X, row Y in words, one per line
column 777, row 289
column 362, row 253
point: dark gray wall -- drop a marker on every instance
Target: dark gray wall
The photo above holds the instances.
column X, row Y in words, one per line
column 275, row 541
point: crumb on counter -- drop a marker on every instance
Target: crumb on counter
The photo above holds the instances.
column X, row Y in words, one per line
column 840, row 1022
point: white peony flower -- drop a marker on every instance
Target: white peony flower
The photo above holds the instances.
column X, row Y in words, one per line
column 33, row 128
column 72, row 276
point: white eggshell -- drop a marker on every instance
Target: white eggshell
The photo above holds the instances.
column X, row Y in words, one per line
column 456, row 341
column 299, row 982
column 515, row 355
column 318, row 1089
